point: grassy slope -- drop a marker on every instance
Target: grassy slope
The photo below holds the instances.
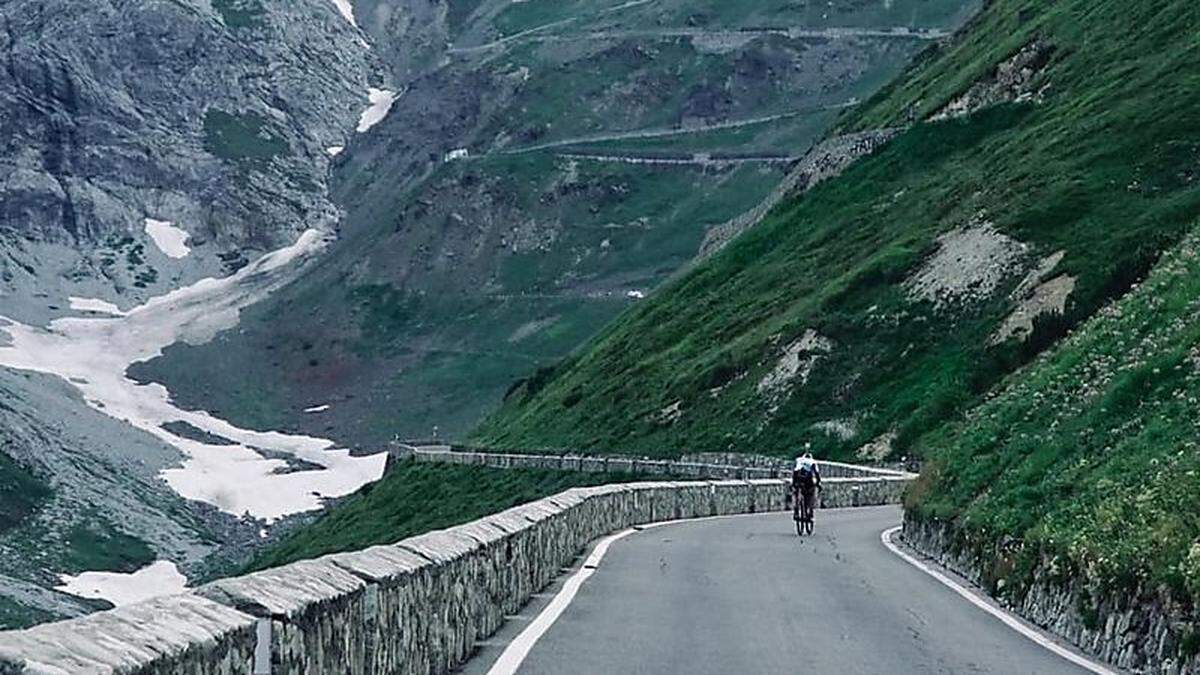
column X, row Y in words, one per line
column 1103, row 170
column 1090, row 454
column 414, row 498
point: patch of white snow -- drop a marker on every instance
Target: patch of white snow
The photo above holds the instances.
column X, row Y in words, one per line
column 317, row 408
column 635, row 295
column 169, row 239
column 94, row 305
column 335, row 150
column 347, row 10
column 381, row 104
column 93, row 354
column 157, row 578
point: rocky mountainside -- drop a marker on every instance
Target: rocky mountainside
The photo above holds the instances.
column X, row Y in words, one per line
column 146, row 146
column 214, row 118
column 552, row 164
column 343, row 221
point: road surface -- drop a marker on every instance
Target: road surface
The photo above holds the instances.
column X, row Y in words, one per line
column 746, row 595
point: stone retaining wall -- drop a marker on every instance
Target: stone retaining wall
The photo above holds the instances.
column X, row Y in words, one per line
column 704, row 465
column 1137, row 629
column 417, row 606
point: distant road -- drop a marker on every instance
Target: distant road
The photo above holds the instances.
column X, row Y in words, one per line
column 698, row 159
column 539, row 34
column 746, row 595
column 661, row 132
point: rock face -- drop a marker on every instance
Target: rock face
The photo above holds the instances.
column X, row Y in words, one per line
column 1016, row 79
column 211, row 116
column 144, row 146
column 1138, row 629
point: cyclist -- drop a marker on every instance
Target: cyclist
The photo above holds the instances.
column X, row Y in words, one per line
column 806, row 480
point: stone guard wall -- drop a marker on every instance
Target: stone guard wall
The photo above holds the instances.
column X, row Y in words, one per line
column 416, row 606
column 705, row 465
column 1139, row 629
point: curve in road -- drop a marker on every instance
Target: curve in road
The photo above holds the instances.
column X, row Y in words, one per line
column 746, row 595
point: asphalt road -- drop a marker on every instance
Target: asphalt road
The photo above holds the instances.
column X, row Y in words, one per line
column 746, row 595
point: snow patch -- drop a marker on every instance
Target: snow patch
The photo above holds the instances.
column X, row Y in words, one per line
column 157, row 578
column 347, row 10
column 635, row 295
column 93, row 354
column 457, row 153
column 317, row 408
column 169, row 239
column 335, row 150
column 381, row 104
column 94, row 305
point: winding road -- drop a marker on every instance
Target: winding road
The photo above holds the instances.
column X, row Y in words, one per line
column 746, row 595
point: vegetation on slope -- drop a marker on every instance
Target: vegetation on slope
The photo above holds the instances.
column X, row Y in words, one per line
column 21, row 493
column 1090, row 454
column 414, row 498
column 1102, row 169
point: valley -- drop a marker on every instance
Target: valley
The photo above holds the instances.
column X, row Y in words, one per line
column 245, row 245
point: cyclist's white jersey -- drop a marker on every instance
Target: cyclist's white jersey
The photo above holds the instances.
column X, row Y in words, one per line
column 807, row 463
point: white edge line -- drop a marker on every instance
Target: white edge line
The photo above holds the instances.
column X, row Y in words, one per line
column 1006, row 618
column 516, row 651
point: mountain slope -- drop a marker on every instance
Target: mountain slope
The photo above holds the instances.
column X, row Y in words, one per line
column 554, row 163
column 144, row 147
column 1049, row 158
column 465, row 189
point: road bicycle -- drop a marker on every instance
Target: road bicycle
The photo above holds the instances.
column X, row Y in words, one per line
column 802, row 511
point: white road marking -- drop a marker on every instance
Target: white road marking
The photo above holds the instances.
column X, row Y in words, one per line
column 1004, row 617
column 514, row 655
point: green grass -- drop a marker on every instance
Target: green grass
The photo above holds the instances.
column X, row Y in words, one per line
column 96, row 545
column 14, row 616
column 21, row 493
column 413, row 498
column 240, row 13
column 1103, row 170
column 1089, row 456
column 241, row 137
